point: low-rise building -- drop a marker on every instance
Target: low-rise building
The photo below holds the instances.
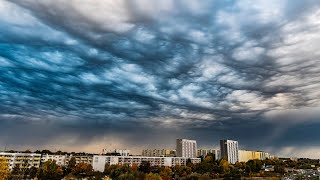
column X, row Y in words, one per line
column 205, row 152
column 246, row 155
column 80, row 158
column 25, row 160
column 120, row 152
column 60, row 159
column 99, row 161
column 158, row 153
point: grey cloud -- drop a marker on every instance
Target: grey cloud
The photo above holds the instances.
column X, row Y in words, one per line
column 198, row 69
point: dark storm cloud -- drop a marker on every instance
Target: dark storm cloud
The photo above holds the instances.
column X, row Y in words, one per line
column 93, row 69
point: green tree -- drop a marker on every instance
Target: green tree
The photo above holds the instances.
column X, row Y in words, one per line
column 255, row 165
column 21, row 171
column 71, row 165
column 279, row 169
column 152, row 176
column 189, row 162
column 32, row 172
column 116, row 171
column 182, row 171
column 233, row 174
column 127, row 176
column 145, row 167
column 192, row 176
column 50, row 170
column 109, row 168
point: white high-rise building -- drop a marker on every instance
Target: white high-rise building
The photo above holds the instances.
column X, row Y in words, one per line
column 229, row 150
column 186, row 148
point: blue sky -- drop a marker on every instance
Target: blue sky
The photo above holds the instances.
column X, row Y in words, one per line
column 92, row 74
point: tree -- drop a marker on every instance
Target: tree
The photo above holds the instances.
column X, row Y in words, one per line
column 182, row 171
column 240, row 165
column 97, row 175
column 116, row 171
column 234, row 173
column 4, row 170
column 145, row 167
column 70, row 177
column 109, row 168
column 50, row 170
column 27, row 151
column 152, row 176
column 189, row 162
column 166, row 173
column 82, row 170
column 224, row 166
column 255, row 165
column 210, row 158
column 127, row 176
column 279, row 169
column 32, row 172
column 71, row 165
column 46, row 152
column 21, row 171
column 192, row 176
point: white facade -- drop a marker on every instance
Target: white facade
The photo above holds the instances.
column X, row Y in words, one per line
column 229, row 150
column 122, row 152
column 80, row 158
column 60, row 159
column 205, row 152
column 158, row 153
column 63, row 160
column 186, row 148
column 99, row 161
column 22, row 159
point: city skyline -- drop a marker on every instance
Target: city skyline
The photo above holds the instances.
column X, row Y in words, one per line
column 137, row 74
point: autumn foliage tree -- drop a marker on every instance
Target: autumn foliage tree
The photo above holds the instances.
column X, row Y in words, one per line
column 50, row 170
column 82, row 170
column 4, row 170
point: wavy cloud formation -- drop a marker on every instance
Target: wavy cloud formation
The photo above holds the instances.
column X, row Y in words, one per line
column 94, row 70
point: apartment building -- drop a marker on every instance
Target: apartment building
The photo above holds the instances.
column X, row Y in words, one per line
column 25, row 160
column 246, row 155
column 100, row 161
column 229, row 150
column 80, row 158
column 186, row 148
column 205, row 152
column 60, row 159
column 158, row 153
column 121, row 152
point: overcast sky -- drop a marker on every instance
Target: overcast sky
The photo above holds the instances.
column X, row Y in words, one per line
column 82, row 75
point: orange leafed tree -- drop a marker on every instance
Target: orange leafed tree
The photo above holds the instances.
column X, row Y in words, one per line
column 4, row 170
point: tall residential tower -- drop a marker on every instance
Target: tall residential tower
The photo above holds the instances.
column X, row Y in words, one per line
column 186, row 148
column 229, row 150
